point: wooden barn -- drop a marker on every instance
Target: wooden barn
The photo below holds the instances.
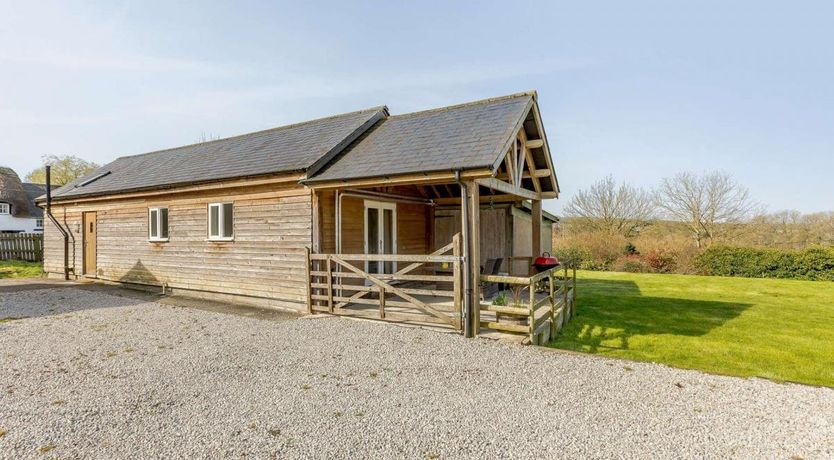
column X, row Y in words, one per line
column 399, row 217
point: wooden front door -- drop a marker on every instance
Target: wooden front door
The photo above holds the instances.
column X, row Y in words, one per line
column 89, row 233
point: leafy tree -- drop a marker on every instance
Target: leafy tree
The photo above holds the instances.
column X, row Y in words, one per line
column 65, row 168
column 614, row 209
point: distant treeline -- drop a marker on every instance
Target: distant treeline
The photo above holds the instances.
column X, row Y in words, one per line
column 698, row 224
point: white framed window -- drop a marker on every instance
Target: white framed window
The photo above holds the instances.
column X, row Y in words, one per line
column 5, row 208
column 221, row 222
column 38, row 223
column 157, row 224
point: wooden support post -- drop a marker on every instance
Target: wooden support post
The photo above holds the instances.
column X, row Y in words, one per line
column 316, row 222
column 456, row 273
column 532, row 288
column 308, row 280
column 474, row 213
column 430, row 236
column 329, row 267
column 553, row 328
column 536, row 215
column 382, row 302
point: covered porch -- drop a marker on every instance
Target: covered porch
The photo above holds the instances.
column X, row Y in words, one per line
column 442, row 228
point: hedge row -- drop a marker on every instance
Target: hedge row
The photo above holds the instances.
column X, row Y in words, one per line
column 808, row 264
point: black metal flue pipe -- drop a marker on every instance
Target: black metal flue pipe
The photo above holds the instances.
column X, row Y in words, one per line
column 55, row 221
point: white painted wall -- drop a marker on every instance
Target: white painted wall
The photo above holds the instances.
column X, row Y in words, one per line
column 9, row 223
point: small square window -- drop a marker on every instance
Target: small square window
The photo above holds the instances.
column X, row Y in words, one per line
column 38, row 223
column 5, row 208
column 158, row 224
column 221, row 221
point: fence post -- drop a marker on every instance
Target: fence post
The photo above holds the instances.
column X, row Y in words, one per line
column 573, row 297
column 456, row 274
column 532, row 289
column 329, row 284
column 382, row 302
column 566, row 287
column 553, row 329
column 308, row 279
column 39, row 248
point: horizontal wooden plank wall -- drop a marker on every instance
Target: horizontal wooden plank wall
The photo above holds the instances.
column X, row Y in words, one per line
column 493, row 232
column 272, row 226
column 412, row 226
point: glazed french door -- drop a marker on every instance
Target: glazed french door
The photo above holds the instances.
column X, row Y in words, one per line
column 380, row 235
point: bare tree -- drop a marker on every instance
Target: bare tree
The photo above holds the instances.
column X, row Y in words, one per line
column 616, row 210
column 65, row 168
column 709, row 204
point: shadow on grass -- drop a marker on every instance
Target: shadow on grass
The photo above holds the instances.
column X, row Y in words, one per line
column 612, row 311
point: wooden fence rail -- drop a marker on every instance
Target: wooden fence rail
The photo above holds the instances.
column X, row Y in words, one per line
column 540, row 317
column 22, row 246
column 336, row 281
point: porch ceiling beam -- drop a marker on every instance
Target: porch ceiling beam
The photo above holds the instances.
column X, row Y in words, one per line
column 483, row 199
column 436, row 191
column 539, row 173
column 504, row 187
column 535, row 143
column 405, row 179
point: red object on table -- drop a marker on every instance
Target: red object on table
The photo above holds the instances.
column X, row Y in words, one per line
column 545, row 262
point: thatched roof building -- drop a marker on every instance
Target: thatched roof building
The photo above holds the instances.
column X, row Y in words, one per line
column 20, row 196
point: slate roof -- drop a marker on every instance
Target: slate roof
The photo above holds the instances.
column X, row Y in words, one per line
column 363, row 144
column 466, row 136
column 297, row 147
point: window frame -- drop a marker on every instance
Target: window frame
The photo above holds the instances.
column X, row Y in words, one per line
column 7, row 208
column 221, row 220
column 39, row 223
column 158, row 238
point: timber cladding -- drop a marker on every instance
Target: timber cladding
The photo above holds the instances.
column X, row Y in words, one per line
column 272, row 226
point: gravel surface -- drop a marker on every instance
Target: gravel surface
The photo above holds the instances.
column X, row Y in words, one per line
column 93, row 375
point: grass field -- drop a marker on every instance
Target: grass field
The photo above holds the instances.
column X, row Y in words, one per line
column 20, row 269
column 777, row 329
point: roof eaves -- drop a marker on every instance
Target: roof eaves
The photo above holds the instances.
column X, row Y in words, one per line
column 70, row 197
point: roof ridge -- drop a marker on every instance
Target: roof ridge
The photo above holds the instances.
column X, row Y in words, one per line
column 277, row 128
column 531, row 93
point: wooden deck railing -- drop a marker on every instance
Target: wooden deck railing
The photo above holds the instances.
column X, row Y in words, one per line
column 539, row 316
column 23, row 246
column 336, row 282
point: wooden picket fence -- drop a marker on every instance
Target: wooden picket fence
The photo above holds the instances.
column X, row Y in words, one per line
column 21, row 246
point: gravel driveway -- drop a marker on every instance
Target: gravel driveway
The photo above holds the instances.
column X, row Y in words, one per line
column 89, row 374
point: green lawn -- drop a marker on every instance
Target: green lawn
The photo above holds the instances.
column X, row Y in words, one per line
column 777, row 329
column 20, row 269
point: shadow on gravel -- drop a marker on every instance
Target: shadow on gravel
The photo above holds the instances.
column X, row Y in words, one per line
column 58, row 300
column 612, row 311
column 60, row 297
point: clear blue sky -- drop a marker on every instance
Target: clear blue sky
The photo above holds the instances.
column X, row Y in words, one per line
column 640, row 90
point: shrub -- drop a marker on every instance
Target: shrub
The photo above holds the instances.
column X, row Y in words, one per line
column 632, row 263
column 630, row 249
column 573, row 256
column 809, row 264
column 661, row 260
